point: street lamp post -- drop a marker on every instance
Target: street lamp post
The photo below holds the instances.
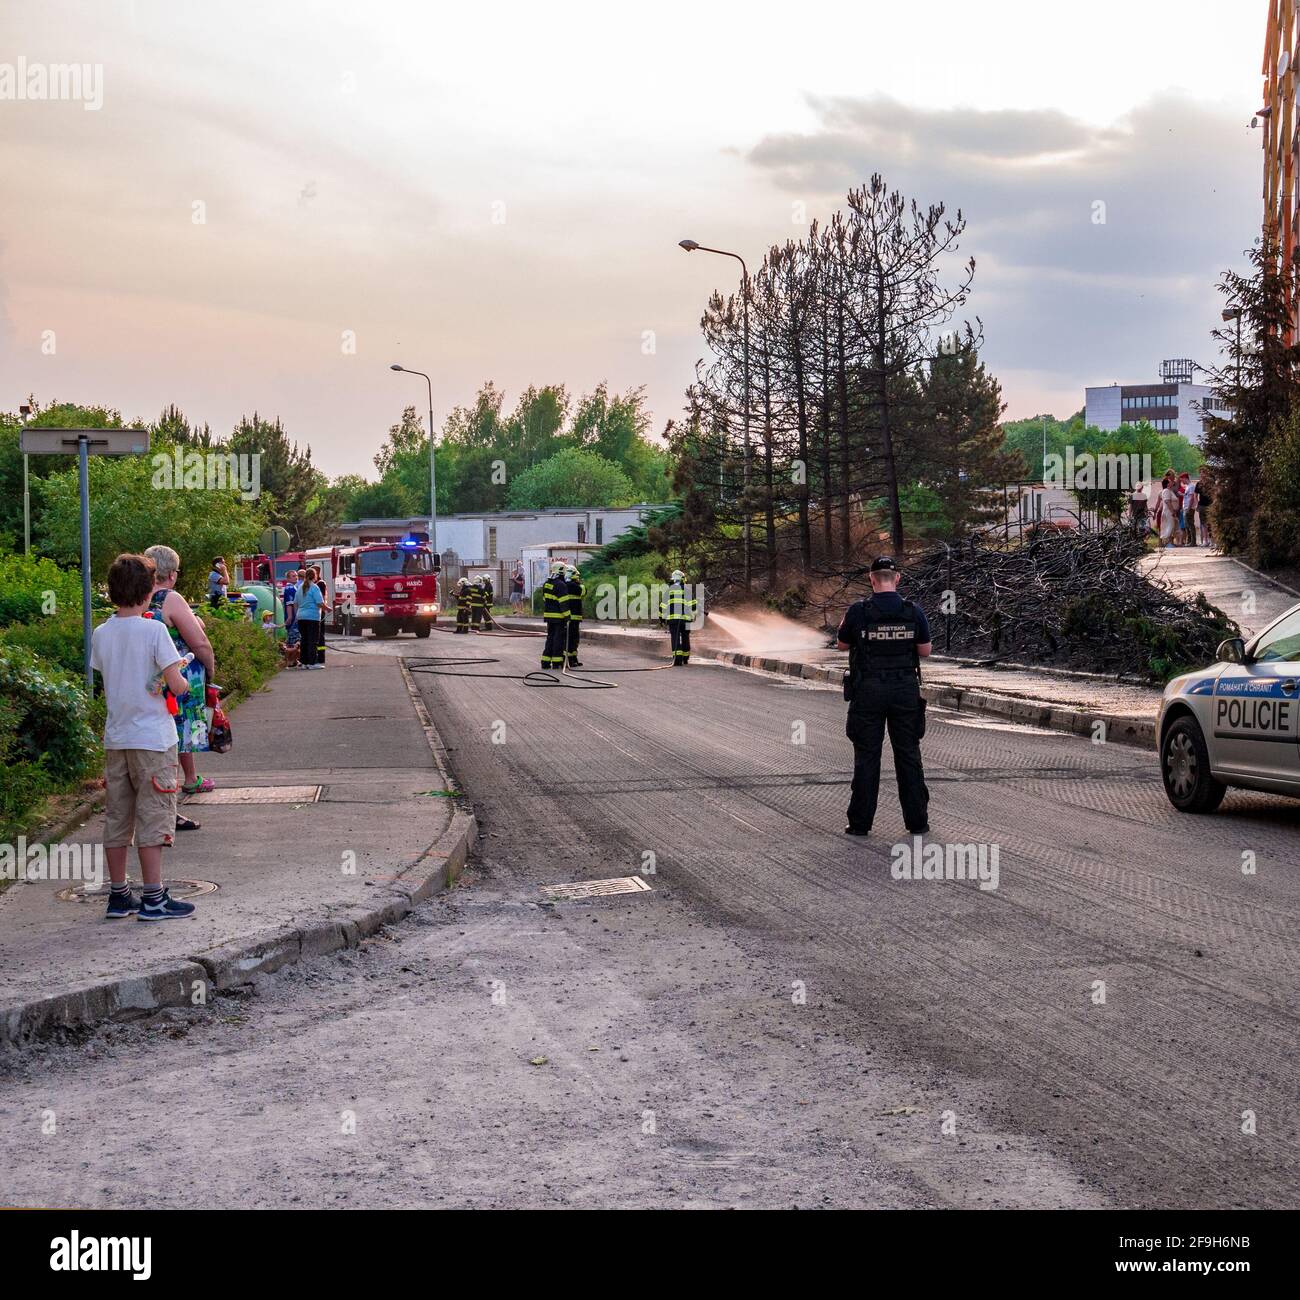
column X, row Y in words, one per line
column 691, row 247
column 1234, row 314
column 433, row 472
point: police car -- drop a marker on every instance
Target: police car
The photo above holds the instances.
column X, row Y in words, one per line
column 1236, row 723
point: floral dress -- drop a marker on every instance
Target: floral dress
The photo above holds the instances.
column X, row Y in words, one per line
column 192, row 714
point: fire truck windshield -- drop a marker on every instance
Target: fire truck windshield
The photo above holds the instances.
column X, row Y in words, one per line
column 398, row 562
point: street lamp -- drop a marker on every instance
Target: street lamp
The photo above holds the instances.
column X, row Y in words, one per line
column 433, row 473
column 1235, row 313
column 690, row 246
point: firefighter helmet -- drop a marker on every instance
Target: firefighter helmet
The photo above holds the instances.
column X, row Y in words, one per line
column 678, row 576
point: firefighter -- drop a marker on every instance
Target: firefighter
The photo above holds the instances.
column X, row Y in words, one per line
column 886, row 637
column 679, row 613
column 555, row 614
column 478, row 604
column 462, row 607
column 577, row 591
column 488, row 598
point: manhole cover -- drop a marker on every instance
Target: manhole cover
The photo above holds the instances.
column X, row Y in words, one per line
column 178, row 889
column 598, row 888
column 258, row 794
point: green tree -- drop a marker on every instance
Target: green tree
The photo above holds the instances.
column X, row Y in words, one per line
column 959, row 450
column 573, row 477
column 292, row 485
column 127, row 513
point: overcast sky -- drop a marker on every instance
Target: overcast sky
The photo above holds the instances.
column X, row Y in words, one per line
column 496, row 191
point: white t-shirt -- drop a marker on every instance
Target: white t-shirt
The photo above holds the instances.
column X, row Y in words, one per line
column 129, row 652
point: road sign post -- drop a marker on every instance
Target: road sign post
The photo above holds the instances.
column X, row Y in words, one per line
column 274, row 540
column 84, row 443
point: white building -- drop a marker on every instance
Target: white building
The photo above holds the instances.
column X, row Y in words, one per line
column 502, row 536
column 1176, row 405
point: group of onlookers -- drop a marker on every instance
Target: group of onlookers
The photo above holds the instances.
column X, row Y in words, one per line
column 304, row 603
column 1180, row 515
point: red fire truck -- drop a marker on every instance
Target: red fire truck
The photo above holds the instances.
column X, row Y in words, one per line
column 250, row 568
column 389, row 587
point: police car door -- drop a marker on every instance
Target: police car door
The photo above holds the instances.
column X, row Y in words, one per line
column 1255, row 726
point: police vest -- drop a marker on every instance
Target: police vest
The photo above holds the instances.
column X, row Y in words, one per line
column 885, row 642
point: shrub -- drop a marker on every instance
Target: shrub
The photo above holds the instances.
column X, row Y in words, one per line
column 56, row 639
column 32, row 587
column 246, row 657
column 49, row 714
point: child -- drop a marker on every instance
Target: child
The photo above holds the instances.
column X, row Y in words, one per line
column 139, row 741
column 268, row 622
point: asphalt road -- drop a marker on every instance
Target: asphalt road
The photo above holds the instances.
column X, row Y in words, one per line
column 777, row 1021
column 1100, row 880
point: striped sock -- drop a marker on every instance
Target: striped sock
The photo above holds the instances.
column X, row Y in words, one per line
column 115, row 888
column 154, row 897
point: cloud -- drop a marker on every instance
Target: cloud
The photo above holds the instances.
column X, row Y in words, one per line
column 1098, row 246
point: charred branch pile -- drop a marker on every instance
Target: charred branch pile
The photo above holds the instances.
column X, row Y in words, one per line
column 1066, row 598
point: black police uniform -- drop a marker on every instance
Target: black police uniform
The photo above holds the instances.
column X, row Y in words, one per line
column 882, row 633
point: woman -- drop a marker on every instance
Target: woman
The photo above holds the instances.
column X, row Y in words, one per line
column 1191, row 508
column 311, row 606
column 189, row 637
column 1168, row 511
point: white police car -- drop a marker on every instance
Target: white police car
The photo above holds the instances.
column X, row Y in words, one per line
column 1235, row 723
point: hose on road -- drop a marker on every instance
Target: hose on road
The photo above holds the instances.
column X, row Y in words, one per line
column 568, row 678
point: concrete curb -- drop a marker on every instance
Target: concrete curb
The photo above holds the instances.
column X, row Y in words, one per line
column 241, row 964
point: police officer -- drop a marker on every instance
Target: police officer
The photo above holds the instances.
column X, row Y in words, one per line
column 886, row 637
column 463, row 602
column 555, row 614
column 577, row 591
column 679, row 613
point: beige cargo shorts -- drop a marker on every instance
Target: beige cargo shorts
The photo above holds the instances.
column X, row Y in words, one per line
column 141, row 786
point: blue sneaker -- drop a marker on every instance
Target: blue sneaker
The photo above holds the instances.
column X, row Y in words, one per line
column 167, row 910
column 127, row 904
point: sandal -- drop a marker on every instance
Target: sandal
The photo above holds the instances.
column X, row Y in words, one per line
column 186, row 823
column 201, row 785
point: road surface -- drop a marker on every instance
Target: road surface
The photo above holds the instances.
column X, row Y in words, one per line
column 777, row 1021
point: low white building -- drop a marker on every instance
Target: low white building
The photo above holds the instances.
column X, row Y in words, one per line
column 501, row 536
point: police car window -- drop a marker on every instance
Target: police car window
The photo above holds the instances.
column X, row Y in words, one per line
column 1282, row 643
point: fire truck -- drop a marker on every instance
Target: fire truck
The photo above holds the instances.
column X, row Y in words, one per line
column 253, row 568
column 389, row 587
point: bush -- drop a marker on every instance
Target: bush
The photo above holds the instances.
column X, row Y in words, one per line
column 56, row 639
column 51, row 715
column 32, row 587
column 246, row 657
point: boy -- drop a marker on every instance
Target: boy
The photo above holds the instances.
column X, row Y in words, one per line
column 129, row 651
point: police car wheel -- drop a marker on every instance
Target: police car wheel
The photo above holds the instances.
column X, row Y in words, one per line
column 1185, row 767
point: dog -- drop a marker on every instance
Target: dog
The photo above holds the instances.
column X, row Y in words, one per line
column 290, row 654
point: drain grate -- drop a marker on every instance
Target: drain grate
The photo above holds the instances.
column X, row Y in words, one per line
column 598, row 888
column 177, row 888
column 245, row 794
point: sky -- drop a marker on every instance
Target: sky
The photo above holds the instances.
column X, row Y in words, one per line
column 260, row 206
